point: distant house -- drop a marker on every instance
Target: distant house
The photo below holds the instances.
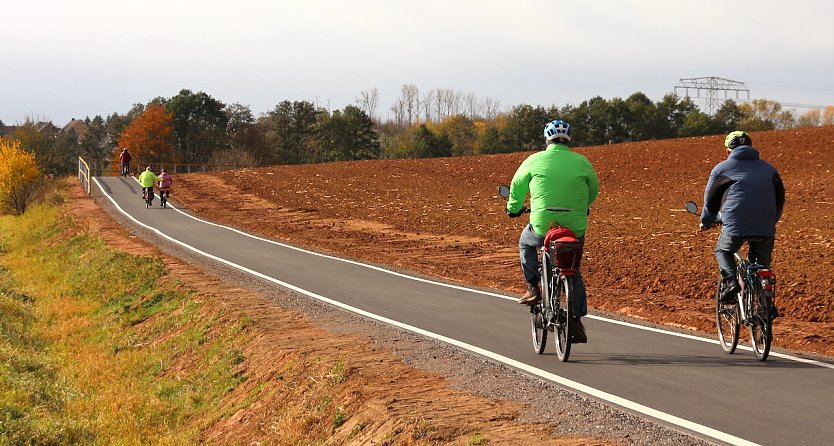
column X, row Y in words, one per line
column 76, row 126
column 46, row 127
column 7, row 130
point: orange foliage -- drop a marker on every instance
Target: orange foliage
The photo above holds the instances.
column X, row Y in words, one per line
column 150, row 137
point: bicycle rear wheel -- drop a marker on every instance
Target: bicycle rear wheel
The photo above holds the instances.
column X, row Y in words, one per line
column 538, row 320
column 563, row 287
column 726, row 317
column 761, row 325
column 539, row 330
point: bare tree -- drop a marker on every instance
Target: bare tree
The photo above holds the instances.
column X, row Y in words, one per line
column 448, row 102
column 428, row 100
column 399, row 110
column 368, row 101
column 410, row 96
column 492, row 107
column 471, row 106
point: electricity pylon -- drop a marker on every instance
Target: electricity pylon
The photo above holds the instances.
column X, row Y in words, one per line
column 710, row 87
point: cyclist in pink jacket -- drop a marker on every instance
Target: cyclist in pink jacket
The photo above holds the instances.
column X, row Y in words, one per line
column 165, row 181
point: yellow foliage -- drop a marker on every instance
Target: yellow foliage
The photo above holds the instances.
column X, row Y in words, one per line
column 20, row 175
column 828, row 115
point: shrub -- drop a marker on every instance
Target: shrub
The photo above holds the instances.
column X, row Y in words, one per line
column 21, row 177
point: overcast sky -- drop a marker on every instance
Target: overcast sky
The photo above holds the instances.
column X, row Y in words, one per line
column 63, row 59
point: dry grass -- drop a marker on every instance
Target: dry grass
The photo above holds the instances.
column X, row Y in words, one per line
column 125, row 357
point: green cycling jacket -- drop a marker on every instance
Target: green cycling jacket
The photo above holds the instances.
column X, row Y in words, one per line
column 555, row 178
column 147, row 178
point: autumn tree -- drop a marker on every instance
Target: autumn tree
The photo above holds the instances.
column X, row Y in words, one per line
column 490, row 141
column 764, row 114
column 149, row 137
column 54, row 151
column 21, row 176
column 828, row 116
column 811, row 118
column 461, row 133
column 426, row 144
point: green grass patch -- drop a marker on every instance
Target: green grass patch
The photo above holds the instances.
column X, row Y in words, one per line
column 96, row 348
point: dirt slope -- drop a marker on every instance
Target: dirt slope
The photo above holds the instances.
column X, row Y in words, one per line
column 644, row 257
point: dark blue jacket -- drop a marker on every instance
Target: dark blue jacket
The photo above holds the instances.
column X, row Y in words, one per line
column 749, row 193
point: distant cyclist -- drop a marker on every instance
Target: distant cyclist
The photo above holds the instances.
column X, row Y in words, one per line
column 124, row 161
column 554, row 178
column 146, row 180
column 165, row 182
column 750, row 195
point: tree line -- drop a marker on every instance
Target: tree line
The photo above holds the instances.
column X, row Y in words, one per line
column 196, row 128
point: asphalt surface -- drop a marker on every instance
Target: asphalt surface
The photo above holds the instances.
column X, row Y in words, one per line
column 677, row 380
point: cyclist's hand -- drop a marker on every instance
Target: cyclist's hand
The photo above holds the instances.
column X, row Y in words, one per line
column 701, row 227
column 515, row 214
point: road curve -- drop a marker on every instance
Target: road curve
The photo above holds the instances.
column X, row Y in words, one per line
column 684, row 381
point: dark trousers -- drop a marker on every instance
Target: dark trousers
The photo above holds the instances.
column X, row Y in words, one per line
column 759, row 252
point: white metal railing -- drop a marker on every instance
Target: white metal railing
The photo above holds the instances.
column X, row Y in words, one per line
column 84, row 175
column 104, row 167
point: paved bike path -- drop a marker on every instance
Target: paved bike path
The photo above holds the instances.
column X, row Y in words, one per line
column 733, row 397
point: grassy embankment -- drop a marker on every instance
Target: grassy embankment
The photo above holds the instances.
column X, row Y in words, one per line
column 102, row 347
column 88, row 338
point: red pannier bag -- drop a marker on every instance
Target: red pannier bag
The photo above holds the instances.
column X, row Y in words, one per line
column 564, row 247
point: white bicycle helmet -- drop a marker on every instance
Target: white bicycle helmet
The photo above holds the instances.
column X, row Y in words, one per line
column 557, row 129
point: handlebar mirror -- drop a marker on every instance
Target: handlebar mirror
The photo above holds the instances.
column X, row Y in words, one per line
column 504, row 191
column 691, row 207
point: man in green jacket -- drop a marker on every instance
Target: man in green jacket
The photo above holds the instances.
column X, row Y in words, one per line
column 146, row 180
column 554, row 178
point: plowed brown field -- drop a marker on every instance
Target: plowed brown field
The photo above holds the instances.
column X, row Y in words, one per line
column 644, row 256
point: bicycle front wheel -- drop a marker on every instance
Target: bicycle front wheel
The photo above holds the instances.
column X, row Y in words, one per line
column 761, row 325
column 726, row 317
column 564, row 315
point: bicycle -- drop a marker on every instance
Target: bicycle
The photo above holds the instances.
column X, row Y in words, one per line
column 560, row 258
column 753, row 306
column 164, row 192
column 147, row 195
column 125, row 169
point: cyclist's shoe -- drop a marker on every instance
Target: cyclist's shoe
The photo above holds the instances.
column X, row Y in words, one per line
column 774, row 312
column 729, row 291
column 531, row 297
column 579, row 335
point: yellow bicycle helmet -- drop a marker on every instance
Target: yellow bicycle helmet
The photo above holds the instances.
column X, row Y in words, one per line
column 737, row 138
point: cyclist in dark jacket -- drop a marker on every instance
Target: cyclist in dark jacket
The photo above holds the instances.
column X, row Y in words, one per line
column 750, row 196
column 124, row 161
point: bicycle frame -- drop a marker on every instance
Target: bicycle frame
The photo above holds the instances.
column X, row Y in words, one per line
column 754, row 279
